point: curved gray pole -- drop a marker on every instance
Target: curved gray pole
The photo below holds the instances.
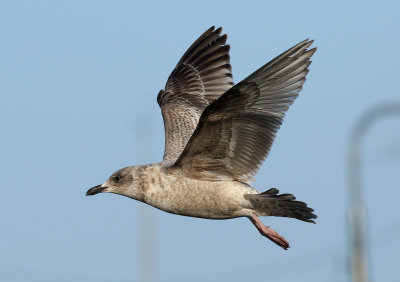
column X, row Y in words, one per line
column 358, row 261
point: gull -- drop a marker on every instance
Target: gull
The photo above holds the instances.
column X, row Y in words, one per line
column 217, row 135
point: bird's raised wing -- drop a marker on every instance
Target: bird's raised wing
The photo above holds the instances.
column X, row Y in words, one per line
column 235, row 132
column 200, row 77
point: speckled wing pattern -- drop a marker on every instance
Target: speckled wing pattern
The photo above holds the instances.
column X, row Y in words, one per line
column 201, row 76
column 236, row 131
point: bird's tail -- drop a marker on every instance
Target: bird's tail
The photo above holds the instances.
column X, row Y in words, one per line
column 269, row 203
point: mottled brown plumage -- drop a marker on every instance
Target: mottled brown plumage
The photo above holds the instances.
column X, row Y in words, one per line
column 200, row 77
column 216, row 137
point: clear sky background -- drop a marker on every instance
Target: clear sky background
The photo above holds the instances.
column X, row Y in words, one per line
column 78, row 86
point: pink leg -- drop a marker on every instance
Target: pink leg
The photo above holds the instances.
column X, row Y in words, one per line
column 269, row 233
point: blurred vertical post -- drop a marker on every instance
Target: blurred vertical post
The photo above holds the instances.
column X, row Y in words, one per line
column 148, row 232
column 357, row 215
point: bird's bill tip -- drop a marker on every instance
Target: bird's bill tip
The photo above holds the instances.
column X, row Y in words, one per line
column 95, row 190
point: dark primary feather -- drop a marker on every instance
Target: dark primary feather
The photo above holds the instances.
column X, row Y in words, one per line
column 235, row 132
column 201, row 76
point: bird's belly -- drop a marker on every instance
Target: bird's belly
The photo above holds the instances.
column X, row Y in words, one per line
column 205, row 199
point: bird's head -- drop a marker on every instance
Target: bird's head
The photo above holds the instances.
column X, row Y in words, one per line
column 125, row 182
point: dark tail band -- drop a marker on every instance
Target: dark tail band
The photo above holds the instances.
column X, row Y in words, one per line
column 270, row 203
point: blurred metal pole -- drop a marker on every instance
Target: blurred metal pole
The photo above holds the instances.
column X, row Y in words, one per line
column 357, row 216
column 147, row 225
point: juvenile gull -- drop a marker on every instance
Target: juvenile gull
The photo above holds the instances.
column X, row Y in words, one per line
column 217, row 135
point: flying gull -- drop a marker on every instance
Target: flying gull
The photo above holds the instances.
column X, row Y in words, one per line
column 217, row 135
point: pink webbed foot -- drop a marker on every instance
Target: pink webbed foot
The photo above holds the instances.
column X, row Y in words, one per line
column 269, row 233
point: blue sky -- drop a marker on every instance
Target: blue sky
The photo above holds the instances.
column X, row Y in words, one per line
column 78, row 86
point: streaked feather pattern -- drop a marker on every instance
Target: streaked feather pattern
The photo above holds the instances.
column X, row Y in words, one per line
column 201, row 76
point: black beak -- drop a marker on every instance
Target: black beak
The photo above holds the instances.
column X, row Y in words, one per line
column 95, row 190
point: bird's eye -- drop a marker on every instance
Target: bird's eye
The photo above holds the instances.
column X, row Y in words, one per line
column 117, row 178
